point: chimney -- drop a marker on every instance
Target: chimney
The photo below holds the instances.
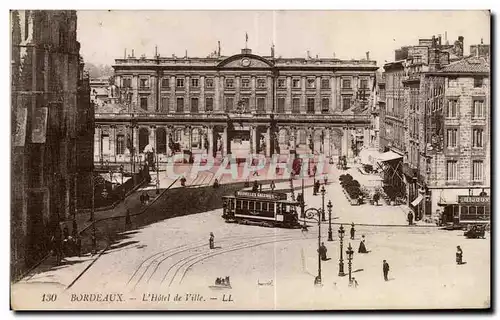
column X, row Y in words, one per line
column 156, row 51
column 439, row 39
column 367, row 55
column 433, row 41
column 218, row 48
column 125, row 54
column 133, row 53
column 186, row 54
column 446, row 38
column 272, row 51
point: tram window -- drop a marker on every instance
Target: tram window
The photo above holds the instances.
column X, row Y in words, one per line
column 239, row 204
column 258, row 206
column 251, row 205
column 271, row 207
column 464, row 210
column 472, row 210
column 480, row 210
column 456, row 211
column 245, row 205
column 265, row 206
column 487, row 211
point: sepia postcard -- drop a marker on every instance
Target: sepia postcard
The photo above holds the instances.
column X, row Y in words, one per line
column 250, row 160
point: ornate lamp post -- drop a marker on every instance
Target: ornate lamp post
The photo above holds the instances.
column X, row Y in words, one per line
column 349, row 261
column 323, row 192
column 121, row 171
column 311, row 213
column 341, row 260
column 330, row 233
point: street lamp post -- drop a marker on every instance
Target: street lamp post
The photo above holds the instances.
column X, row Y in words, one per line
column 157, row 174
column 323, row 192
column 349, row 261
column 341, row 260
column 121, row 171
column 330, row 233
column 310, row 214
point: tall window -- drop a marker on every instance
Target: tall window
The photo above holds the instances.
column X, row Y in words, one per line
column 281, row 105
column 296, row 83
column 346, row 84
column 477, row 138
column 229, row 104
column 325, row 84
column 451, row 170
column 310, row 105
column 180, row 105
column 281, row 83
column 164, row 104
column 346, row 103
column 478, row 82
column 451, row 138
column 325, row 105
column 120, row 144
column 144, row 83
column 194, row 105
column 209, row 104
column 230, row 83
column 363, row 84
column 127, row 82
column 311, row 83
column 195, row 82
column 165, row 83
column 478, row 109
column 451, row 111
column 180, row 82
column 245, row 83
column 246, row 102
column 209, row 83
column 144, row 103
column 295, row 105
column 261, row 83
column 261, row 104
column 477, row 170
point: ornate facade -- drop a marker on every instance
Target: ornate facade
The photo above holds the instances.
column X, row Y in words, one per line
column 218, row 104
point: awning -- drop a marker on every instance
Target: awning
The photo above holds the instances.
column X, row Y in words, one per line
column 369, row 156
column 388, row 156
column 417, row 200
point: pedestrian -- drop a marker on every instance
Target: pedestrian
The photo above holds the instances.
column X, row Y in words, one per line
column 211, row 241
column 385, row 268
column 362, row 245
column 183, row 181
column 410, row 218
column 273, row 186
column 216, row 183
column 147, row 198
column 255, row 186
column 376, row 198
column 459, row 255
column 354, row 283
column 353, row 231
column 322, row 252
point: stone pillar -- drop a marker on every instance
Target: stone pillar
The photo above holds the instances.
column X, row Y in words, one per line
column 97, row 143
column 338, row 98
column 293, row 139
column 269, row 98
column 187, row 96
column 253, row 140
column 224, row 142
column 345, row 143
column 333, row 97
column 136, row 140
column 303, row 101
column 253, row 101
column 190, row 138
column 217, row 100
column 327, row 142
column 221, row 94
column 168, row 132
column 112, row 144
column 172, row 101
column 202, row 138
column 237, row 90
column 317, row 98
column 210, row 132
column 201, row 103
column 152, row 137
column 268, row 142
column 288, row 100
column 135, row 90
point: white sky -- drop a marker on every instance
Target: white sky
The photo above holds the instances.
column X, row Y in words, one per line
column 349, row 34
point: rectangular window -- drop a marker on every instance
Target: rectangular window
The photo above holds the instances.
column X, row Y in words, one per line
column 325, row 105
column 477, row 170
column 194, row 105
column 295, row 105
column 296, row 83
column 127, row 82
column 310, row 105
column 180, row 83
column 180, row 105
column 478, row 82
column 311, row 83
column 281, row 105
column 165, row 83
column 363, row 84
column 246, row 103
column 325, row 84
column 229, row 104
column 477, row 138
column 478, row 109
column 144, row 83
column 245, row 83
column 451, row 112
column 261, row 83
column 451, row 170
column 144, row 103
column 120, row 144
column 451, row 138
column 209, row 104
column 230, row 83
column 209, row 83
column 346, row 103
column 281, row 83
column 195, row 82
column 261, row 102
column 346, row 84
column 164, row 104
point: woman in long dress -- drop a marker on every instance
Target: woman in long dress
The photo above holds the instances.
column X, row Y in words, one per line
column 362, row 246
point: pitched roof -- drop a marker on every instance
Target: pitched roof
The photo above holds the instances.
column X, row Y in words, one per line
column 468, row 65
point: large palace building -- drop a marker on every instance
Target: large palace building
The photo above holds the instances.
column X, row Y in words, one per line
column 243, row 103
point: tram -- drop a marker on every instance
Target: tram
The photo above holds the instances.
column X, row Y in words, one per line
column 269, row 209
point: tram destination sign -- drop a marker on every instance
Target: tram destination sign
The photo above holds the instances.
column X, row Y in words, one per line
column 261, row 195
column 473, row 199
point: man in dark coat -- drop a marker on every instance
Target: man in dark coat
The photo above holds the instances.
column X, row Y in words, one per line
column 211, row 241
column 385, row 268
column 353, row 231
column 322, row 251
column 410, row 218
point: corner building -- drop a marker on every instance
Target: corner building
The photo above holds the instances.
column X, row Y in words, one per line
column 235, row 105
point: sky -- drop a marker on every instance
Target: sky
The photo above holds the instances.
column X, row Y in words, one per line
column 104, row 35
